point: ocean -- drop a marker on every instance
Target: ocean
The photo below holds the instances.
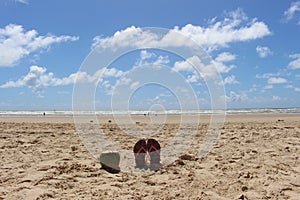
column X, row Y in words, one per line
column 142, row 112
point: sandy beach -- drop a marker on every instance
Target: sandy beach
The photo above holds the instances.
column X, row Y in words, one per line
column 256, row 157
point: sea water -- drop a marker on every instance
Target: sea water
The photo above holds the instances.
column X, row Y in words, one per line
column 146, row 112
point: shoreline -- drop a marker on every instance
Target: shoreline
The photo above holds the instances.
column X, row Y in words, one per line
column 169, row 118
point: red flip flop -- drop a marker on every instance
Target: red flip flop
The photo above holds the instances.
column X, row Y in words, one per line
column 153, row 148
column 140, row 150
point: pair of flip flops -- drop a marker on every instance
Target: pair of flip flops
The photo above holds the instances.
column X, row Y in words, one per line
column 144, row 147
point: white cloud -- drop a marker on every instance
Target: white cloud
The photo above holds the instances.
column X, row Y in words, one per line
column 290, row 13
column 222, row 68
column 225, row 57
column 235, row 97
column 295, row 64
column 230, row 80
column 146, row 55
column 134, row 85
column 22, row 1
column 263, row 51
column 268, row 87
column 276, row 98
column 201, row 70
column 206, row 71
column 276, row 80
column 296, row 89
column 38, row 79
column 186, row 65
column 192, row 78
column 234, row 28
column 130, row 37
column 273, row 78
column 269, row 75
column 266, row 75
column 124, row 81
column 33, row 79
column 253, row 88
column 111, row 72
column 16, row 43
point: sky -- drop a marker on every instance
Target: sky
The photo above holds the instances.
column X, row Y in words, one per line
column 45, row 47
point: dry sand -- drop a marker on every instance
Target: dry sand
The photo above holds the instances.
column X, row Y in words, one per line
column 256, row 157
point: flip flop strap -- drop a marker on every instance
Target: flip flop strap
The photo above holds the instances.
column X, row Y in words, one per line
column 140, row 149
column 152, row 147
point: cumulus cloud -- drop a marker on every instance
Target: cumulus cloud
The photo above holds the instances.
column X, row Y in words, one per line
column 225, row 57
column 235, row 97
column 222, row 33
column 149, row 58
column 38, row 78
column 276, row 80
column 295, row 64
column 222, row 67
column 146, row 55
column 292, row 10
column 194, row 78
column 236, row 27
column 229, row 80
column 206, row 71
column 16, row 43
column 296, row 89
column 263, row 51
column 130, row 37
column 187, row 66
column 272, row 79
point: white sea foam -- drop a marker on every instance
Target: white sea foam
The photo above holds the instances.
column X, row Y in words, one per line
column 146, row 112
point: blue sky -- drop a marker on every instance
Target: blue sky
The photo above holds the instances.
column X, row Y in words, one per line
column 253, row 44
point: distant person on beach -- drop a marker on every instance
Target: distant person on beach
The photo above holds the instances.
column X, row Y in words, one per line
column 44, row 114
